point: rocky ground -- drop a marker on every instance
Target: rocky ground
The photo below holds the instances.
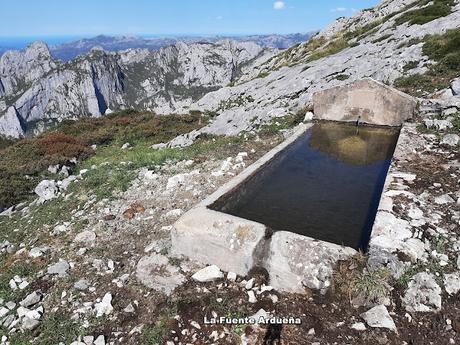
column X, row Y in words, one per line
column 105, row 275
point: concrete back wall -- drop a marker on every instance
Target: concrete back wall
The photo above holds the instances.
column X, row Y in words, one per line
column 375, row 102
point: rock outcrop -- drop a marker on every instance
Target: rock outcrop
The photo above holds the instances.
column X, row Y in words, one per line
column 37, row 91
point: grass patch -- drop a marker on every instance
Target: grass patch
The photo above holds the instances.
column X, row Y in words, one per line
column 410, row 65
column 445, row 51
column 438, row 9
column 382, row 38
column 342, row 77
column 355, row 279
column 281, row 123
column 331, row 48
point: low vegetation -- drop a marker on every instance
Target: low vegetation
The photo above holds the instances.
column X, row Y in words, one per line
column 429, row 11
column 24, row 163
column 444, row 50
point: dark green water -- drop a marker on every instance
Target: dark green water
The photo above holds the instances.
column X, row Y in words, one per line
column 326, row 185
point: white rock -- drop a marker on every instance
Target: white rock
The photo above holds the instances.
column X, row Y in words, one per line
column 31, row 299
column 443, row 199
column 452, row 283
column 450, row 140
column 455, row 86
column 379, row 317
column 86, row 237
column 249, row 284
column 308, row 116
column 47, row 190
column 231, row 276
column 100, row 340
column 60, row 268
column 38, row 251
column 105, row 306
column 358, row 326
column 3, row 311
column 252, row 297
column 126, row 146
column 423, row 294
column 159, row 146
column 208, row 274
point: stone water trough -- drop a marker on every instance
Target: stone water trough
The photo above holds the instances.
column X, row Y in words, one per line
column 310, row 201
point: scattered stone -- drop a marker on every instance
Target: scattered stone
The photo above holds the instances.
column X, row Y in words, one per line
column 60, row 268
column 100, row 340
column 231, row 276
column 29, row 324
column 159, row 146
column 81, row 285
column 252, row 297
column 379, row 317
column 423, row 294
column 157, row 273
column 38, row 251
column 208, row 274
column 308, row 116
column 129, row 308
column 249, row 284
column 10, row 305
column 443, row 199
column 47, row 190
column 452, row 283
column 450, row 140
column 105, row 306
column 174, row 213
column 3, row 311
column 137, row 207
column 358, row 326
column 31, row 299
column 86, row 236
column 126, row 146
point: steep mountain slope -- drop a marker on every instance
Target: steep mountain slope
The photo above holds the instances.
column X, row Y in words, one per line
column 385, row 43
column 37, row 90
column 70, row 50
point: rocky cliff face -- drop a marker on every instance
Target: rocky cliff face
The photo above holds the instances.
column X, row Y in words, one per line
column 244, row 83
column 37, row 91
column 383, row 43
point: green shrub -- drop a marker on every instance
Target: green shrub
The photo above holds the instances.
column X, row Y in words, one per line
column 445, row 51
column 410, row 65
column 438, row 9
column 342, row 76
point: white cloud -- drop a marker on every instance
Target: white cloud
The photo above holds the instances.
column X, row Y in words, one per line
column 279, row 5
column 339, row 9
column 220, row 17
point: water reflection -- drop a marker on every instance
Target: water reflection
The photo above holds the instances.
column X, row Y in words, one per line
column 354, row 145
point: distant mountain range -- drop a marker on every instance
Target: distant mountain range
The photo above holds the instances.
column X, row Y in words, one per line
column 70, row 50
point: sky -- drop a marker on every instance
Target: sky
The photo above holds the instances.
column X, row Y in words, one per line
column 85, row 18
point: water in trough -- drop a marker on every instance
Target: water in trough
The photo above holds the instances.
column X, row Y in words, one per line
column 326, row 185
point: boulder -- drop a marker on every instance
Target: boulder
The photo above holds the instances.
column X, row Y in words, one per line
column 208, row 274
column 47, row 190
column 379, row 317
column 423, row 294
column 455, row 86
column 155, row 272
column 452, row 283
column 450, row 140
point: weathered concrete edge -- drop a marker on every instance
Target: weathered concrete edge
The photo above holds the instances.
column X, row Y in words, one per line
column 382, row 207
column 253, row 168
